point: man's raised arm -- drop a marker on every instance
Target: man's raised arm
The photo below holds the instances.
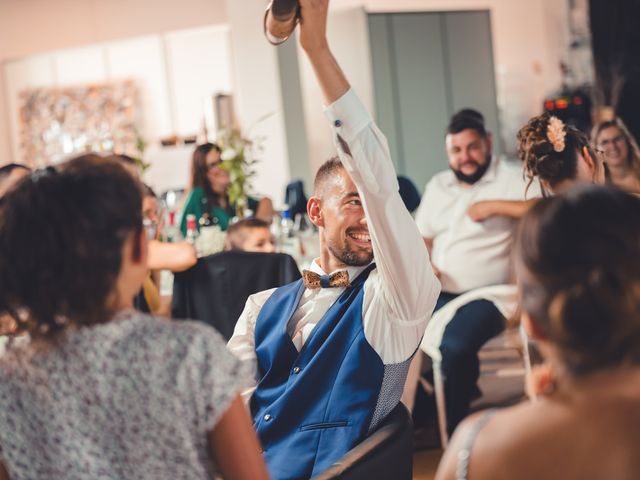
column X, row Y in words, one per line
column 410, row 287
column 313, row 40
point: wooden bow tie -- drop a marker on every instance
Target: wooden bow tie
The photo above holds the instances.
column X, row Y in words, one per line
column 313, row 280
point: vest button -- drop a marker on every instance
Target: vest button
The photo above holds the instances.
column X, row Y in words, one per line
column 267, row 417
column 296, row 370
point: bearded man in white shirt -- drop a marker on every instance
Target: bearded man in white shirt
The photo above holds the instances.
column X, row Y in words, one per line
column 467, row 216
column 333, row 352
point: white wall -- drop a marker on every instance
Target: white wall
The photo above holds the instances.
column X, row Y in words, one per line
column 29, row 27
column 174, row 73
column 348, row 35
column 529, row 39
column 36, row 26
column 258, row 93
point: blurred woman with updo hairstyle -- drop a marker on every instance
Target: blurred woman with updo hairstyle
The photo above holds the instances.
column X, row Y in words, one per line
column 621, row 153
column 209, row 191
column 577, row 260
column 558, row 155
column 100, row 390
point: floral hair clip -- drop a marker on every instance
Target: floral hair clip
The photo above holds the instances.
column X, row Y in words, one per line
column 556, row 133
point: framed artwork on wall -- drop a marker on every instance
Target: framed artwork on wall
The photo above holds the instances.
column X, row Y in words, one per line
column 56, row 123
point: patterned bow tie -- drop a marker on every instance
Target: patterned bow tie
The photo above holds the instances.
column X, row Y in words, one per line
column 338, row 279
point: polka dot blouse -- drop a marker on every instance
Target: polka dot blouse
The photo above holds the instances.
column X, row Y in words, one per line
column 130, row 399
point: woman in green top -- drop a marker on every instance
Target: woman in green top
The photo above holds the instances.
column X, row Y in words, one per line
column 209, row 191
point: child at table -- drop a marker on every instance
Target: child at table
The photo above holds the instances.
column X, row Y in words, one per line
column 250, row 235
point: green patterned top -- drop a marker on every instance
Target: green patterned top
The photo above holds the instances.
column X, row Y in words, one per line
column 196, row 205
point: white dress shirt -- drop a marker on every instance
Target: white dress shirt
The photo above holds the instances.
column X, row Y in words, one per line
column 471, row 254
column 400, row 294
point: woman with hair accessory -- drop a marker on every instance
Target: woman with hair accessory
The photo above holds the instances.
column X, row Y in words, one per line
column 209, row 191
column 558, row 155
column 621, row 153
column 577, row 260
column 100, row 390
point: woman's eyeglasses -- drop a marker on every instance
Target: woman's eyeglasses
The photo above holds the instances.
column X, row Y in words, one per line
column 611, row 141
column 211, row 166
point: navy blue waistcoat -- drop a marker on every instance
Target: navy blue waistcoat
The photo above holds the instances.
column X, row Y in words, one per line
column 312, row 406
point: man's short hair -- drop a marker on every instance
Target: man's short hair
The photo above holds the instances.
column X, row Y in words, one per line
column 469, row 113
column 326, row 170
column 467, row 118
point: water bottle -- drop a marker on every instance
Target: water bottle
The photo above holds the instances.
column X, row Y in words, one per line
column 286, row 224
column 171, row 232
column 289, row 241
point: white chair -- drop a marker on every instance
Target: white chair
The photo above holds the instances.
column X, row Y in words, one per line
column 504, row 297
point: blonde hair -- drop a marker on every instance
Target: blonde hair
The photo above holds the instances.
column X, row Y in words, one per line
column 632, row 146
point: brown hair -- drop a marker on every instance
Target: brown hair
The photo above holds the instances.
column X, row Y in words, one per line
column 541, row 159
column 237, row 232
column 199, row 173
column 61, row 237
column 465, row 119
column 632, row 146
column 327, row 169
column 578, row 266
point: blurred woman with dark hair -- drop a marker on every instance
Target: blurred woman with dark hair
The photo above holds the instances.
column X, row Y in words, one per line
column 100, row 390
column 577, row 262
column 209, row 191
column 621, row 153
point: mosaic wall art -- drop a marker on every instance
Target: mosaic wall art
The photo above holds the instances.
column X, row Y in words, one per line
column 57, row 123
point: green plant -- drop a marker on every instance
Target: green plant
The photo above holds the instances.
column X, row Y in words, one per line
column 141, row 146
column 239, row 157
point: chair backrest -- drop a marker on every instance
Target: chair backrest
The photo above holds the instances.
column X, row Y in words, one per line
column 216, row 289
column 385, row 454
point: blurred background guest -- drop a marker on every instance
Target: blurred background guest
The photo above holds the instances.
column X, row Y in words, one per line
column 578, row 269
column 468, row 254
column 102, row 390
column 250, row 235
column 175, row 257
column 558, row 160
column 209, row 191
column 10, row 174
column 621, row 153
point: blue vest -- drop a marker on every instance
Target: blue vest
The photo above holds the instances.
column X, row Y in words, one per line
column 312, row 406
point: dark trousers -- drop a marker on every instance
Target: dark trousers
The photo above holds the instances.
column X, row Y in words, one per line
column 471, row 327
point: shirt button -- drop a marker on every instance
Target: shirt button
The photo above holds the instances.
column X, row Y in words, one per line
column 267, row 418
column 296, row 370
column 337, row 123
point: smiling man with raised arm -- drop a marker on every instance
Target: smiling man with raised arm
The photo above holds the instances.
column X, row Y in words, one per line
column 333, row 350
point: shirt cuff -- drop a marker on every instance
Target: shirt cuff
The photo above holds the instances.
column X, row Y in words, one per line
column 348, row 116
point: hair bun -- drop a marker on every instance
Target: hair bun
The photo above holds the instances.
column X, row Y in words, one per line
column 542, row 147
